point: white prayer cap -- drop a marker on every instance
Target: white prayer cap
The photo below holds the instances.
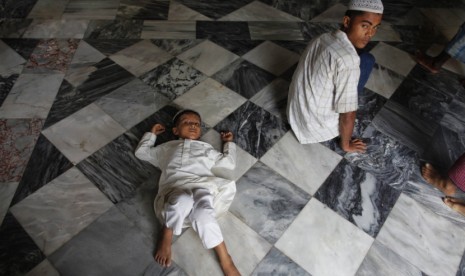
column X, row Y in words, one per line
column 366, row 5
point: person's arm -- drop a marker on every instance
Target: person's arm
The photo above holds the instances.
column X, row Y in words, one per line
column 145, row 149
column 228, row 158
column 346, row 127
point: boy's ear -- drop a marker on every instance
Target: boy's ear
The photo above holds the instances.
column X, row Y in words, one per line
column 346, row 21
column 175, row 130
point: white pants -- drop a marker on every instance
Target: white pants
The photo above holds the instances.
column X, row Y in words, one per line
column 196, row 206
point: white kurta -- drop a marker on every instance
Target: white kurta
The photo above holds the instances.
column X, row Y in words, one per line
column 187, row 164
column 323, row 86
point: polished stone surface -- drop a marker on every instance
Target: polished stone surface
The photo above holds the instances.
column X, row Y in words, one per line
column 81, row 82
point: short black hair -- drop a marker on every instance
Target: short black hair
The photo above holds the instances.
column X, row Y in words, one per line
column 178, row 115
column 353, row 13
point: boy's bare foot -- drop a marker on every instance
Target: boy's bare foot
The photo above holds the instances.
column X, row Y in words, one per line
column 427, row 62
column 455, row 204
column 226, row 262
column 432, row 176
column 163, row 252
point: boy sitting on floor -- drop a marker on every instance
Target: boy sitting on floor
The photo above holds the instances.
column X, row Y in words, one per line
column 189, row 193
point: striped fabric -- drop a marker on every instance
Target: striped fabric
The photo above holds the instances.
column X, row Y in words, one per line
column 457, row 173
column 456, row 47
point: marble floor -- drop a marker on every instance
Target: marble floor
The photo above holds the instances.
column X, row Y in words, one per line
column 81, row 81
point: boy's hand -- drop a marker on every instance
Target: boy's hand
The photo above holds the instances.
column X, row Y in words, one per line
column 227, row 136
column 158, row 129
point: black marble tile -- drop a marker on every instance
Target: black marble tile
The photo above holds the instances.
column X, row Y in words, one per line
column 143, row 9
column 305, row 10
column 454, row 119
column 276, row 263
column 445, row 81
column 45, row 164
column 418, row 37
column 238, row 47
column 255, row 129
column 396, row 10
column 438, row 3
column 6, row 83
column 311, row 30
column 214, row 9
column 15, row 8
column 267, row 202
column 23, row 47
column 289, row 73
column 18, row 252
column 297, row 46
column 404, row 126
column 106, row 76
column 176, row 46
column 222, row 30
column 358, row 196
column 111, row 46
column 13, row 27
column 422, row 100
column 369, row 104
column 244, row 78
column 173, row 78
column 114, row 29
column 155, row 269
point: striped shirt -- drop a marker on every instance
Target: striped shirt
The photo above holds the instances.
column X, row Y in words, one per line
column 324, row 85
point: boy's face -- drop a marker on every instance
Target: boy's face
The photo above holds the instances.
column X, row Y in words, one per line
column 361, row 28
column 188, row 127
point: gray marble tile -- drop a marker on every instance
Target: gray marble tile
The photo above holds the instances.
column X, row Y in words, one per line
column 179, row 12
column 52, row 215
column 307, row 166
column 272, row 57
column 131, row 103
column 258, row 11
column 217, row 10
column 83, row 133
column 154, row 269
column 276, row 263
column 13, row 28
column 114, row 29
column 386, row 262
column 212, row 100
column 424, row 239
column 153, row 29
column 143, row 9
column 7, row 191
column 273, row 98
column 12, row 62
column 267, row 202
column 384, row 81
column 333, row 14
column 275, row 30
column 176, row 46
column 173, row 78
column 48, row 9
column 222, row 29
column 31, row 97
column 141, row 57
column 84, row 9
column 393, row 58
column 238, row 237
column 323, row 243
column 45, row 268
column 110, row 245
column 56, row 28
column 208, row 57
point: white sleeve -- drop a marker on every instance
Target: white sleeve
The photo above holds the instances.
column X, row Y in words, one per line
column 146, row 150
column 227, row 160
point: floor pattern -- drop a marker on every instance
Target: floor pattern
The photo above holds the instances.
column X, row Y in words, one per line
column 81, row 81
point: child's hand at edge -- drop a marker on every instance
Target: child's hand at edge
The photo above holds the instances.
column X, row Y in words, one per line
column 227, row 136
column 158, row 129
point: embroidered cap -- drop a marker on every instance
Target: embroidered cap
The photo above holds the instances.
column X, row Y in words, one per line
column 375, row 6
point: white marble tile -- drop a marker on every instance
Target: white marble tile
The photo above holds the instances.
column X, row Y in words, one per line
column 45, row 268
column 132, row 103
column 12, row 62
column 244, row 160
column 383, row 261
column 307, row 166
column 141, row 57
column 426, row 240
column 168, row 30
column 387, row 33
column 442, row 17
column 7, row 191
column 208, row 57
column 272, row 57
column 83, row 133
column 245, row 246
column 61, row 209
column 178, row 12
column 331, row 15
column 212, row 100
column 48, row 9
column 45, row 28
column 273, row 98
column 383, row 81
column 323, row 243
column 32, row 96
column 393, row 58
column 258, row 11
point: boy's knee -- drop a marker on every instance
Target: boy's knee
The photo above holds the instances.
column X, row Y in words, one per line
column 203, row 214
column 367, row 59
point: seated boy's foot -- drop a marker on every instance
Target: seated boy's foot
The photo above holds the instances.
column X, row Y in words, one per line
column 432, row 176
column 427, row 62
column 163, row 252
column 455, row 204
column 229, row 269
